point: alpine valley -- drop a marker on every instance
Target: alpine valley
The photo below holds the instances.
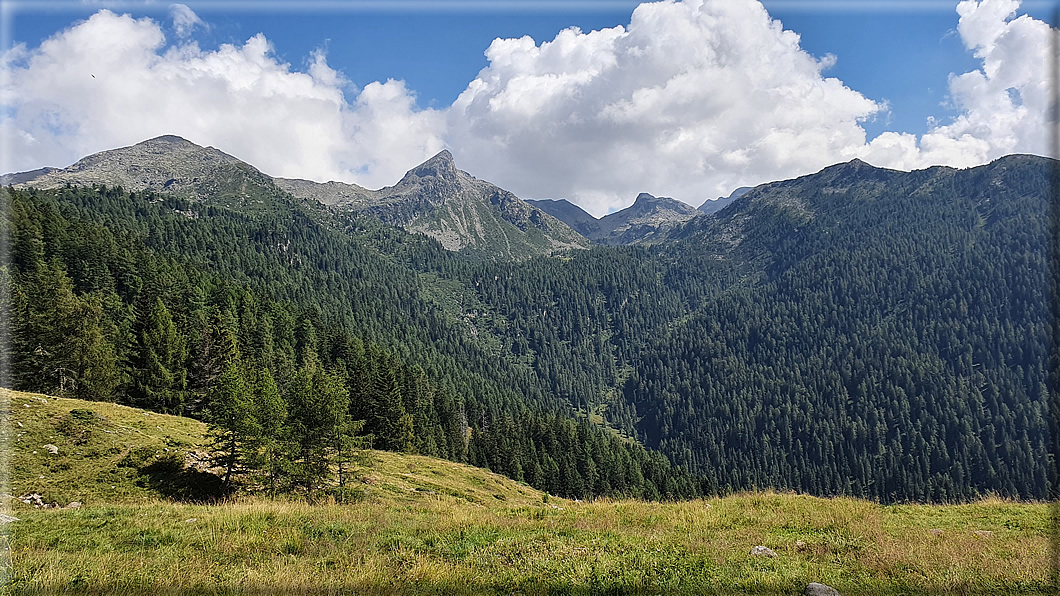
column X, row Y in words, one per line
column 858, row 331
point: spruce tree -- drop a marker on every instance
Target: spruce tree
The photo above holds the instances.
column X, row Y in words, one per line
column 234, row 427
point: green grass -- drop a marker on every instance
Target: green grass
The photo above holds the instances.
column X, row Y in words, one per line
column 426, row 526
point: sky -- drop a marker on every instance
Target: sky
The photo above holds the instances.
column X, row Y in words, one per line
column 594, row 101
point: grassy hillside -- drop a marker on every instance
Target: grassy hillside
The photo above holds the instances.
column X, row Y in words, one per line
column 430, row 526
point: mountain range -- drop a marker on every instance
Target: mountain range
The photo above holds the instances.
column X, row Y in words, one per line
column 435, row 198
column 857, row 331
column 646, row 220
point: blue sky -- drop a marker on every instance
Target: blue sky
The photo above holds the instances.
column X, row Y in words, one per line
column 895, row 61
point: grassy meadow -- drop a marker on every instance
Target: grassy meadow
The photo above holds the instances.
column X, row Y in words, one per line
column 426, row 526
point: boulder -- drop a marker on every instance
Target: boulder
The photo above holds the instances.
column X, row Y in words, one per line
column 763, row 551
column 32, row 499
column 816, row 589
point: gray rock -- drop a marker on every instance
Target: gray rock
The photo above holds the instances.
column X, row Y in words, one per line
column 52, row 449
column 74, row 505
column 6, row 519
column 816, row 589
column 763, row 551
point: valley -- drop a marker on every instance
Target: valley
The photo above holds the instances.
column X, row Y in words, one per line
column 858, row 331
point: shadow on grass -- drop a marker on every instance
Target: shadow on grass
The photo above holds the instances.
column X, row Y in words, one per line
column 169, row 478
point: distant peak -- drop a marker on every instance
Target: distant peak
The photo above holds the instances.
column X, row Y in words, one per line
column 167, row 140
column 648, row 200
column 439, row 166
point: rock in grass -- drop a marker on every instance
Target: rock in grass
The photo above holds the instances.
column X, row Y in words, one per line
column 763, row 551
column 6, row 519
column 816, row 589
column 52, row 449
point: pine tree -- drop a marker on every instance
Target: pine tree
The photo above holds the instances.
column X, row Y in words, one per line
column 233, row 423
column 94, row 362
column 319, row 417
column 161, row 376
column 273, row 442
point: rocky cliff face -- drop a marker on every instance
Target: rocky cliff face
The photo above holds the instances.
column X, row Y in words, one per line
column 646, row 220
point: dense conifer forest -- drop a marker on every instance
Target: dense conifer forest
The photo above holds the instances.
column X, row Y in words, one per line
column 859, row 331
column 299, row 335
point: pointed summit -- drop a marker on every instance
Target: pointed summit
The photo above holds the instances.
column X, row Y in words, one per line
column 167, row 140
column 642, row 221
column 441, row 166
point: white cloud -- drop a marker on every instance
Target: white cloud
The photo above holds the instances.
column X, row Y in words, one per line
column 184, row 19
column 695, row 98
column 113, row 81
column 690, row 100
column 1003, row 106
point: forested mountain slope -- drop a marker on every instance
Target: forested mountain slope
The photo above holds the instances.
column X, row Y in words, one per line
column 892, row 345
column 146, row 299
column 857, row 331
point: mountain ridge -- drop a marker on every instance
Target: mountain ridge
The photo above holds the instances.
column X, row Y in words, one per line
column 434, row 198
column 167, row 163
column 647, row 220
column 463, row 213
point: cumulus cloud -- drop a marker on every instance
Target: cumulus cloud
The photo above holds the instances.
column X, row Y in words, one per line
column 184, row 19
column 695, row 98
column 1004, row 106
column 690, row 100
column 112, row 81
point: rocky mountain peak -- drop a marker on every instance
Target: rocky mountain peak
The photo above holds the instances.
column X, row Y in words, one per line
column 168, row 163
column 646, row 203
column 440, row 166
column 166, row 140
